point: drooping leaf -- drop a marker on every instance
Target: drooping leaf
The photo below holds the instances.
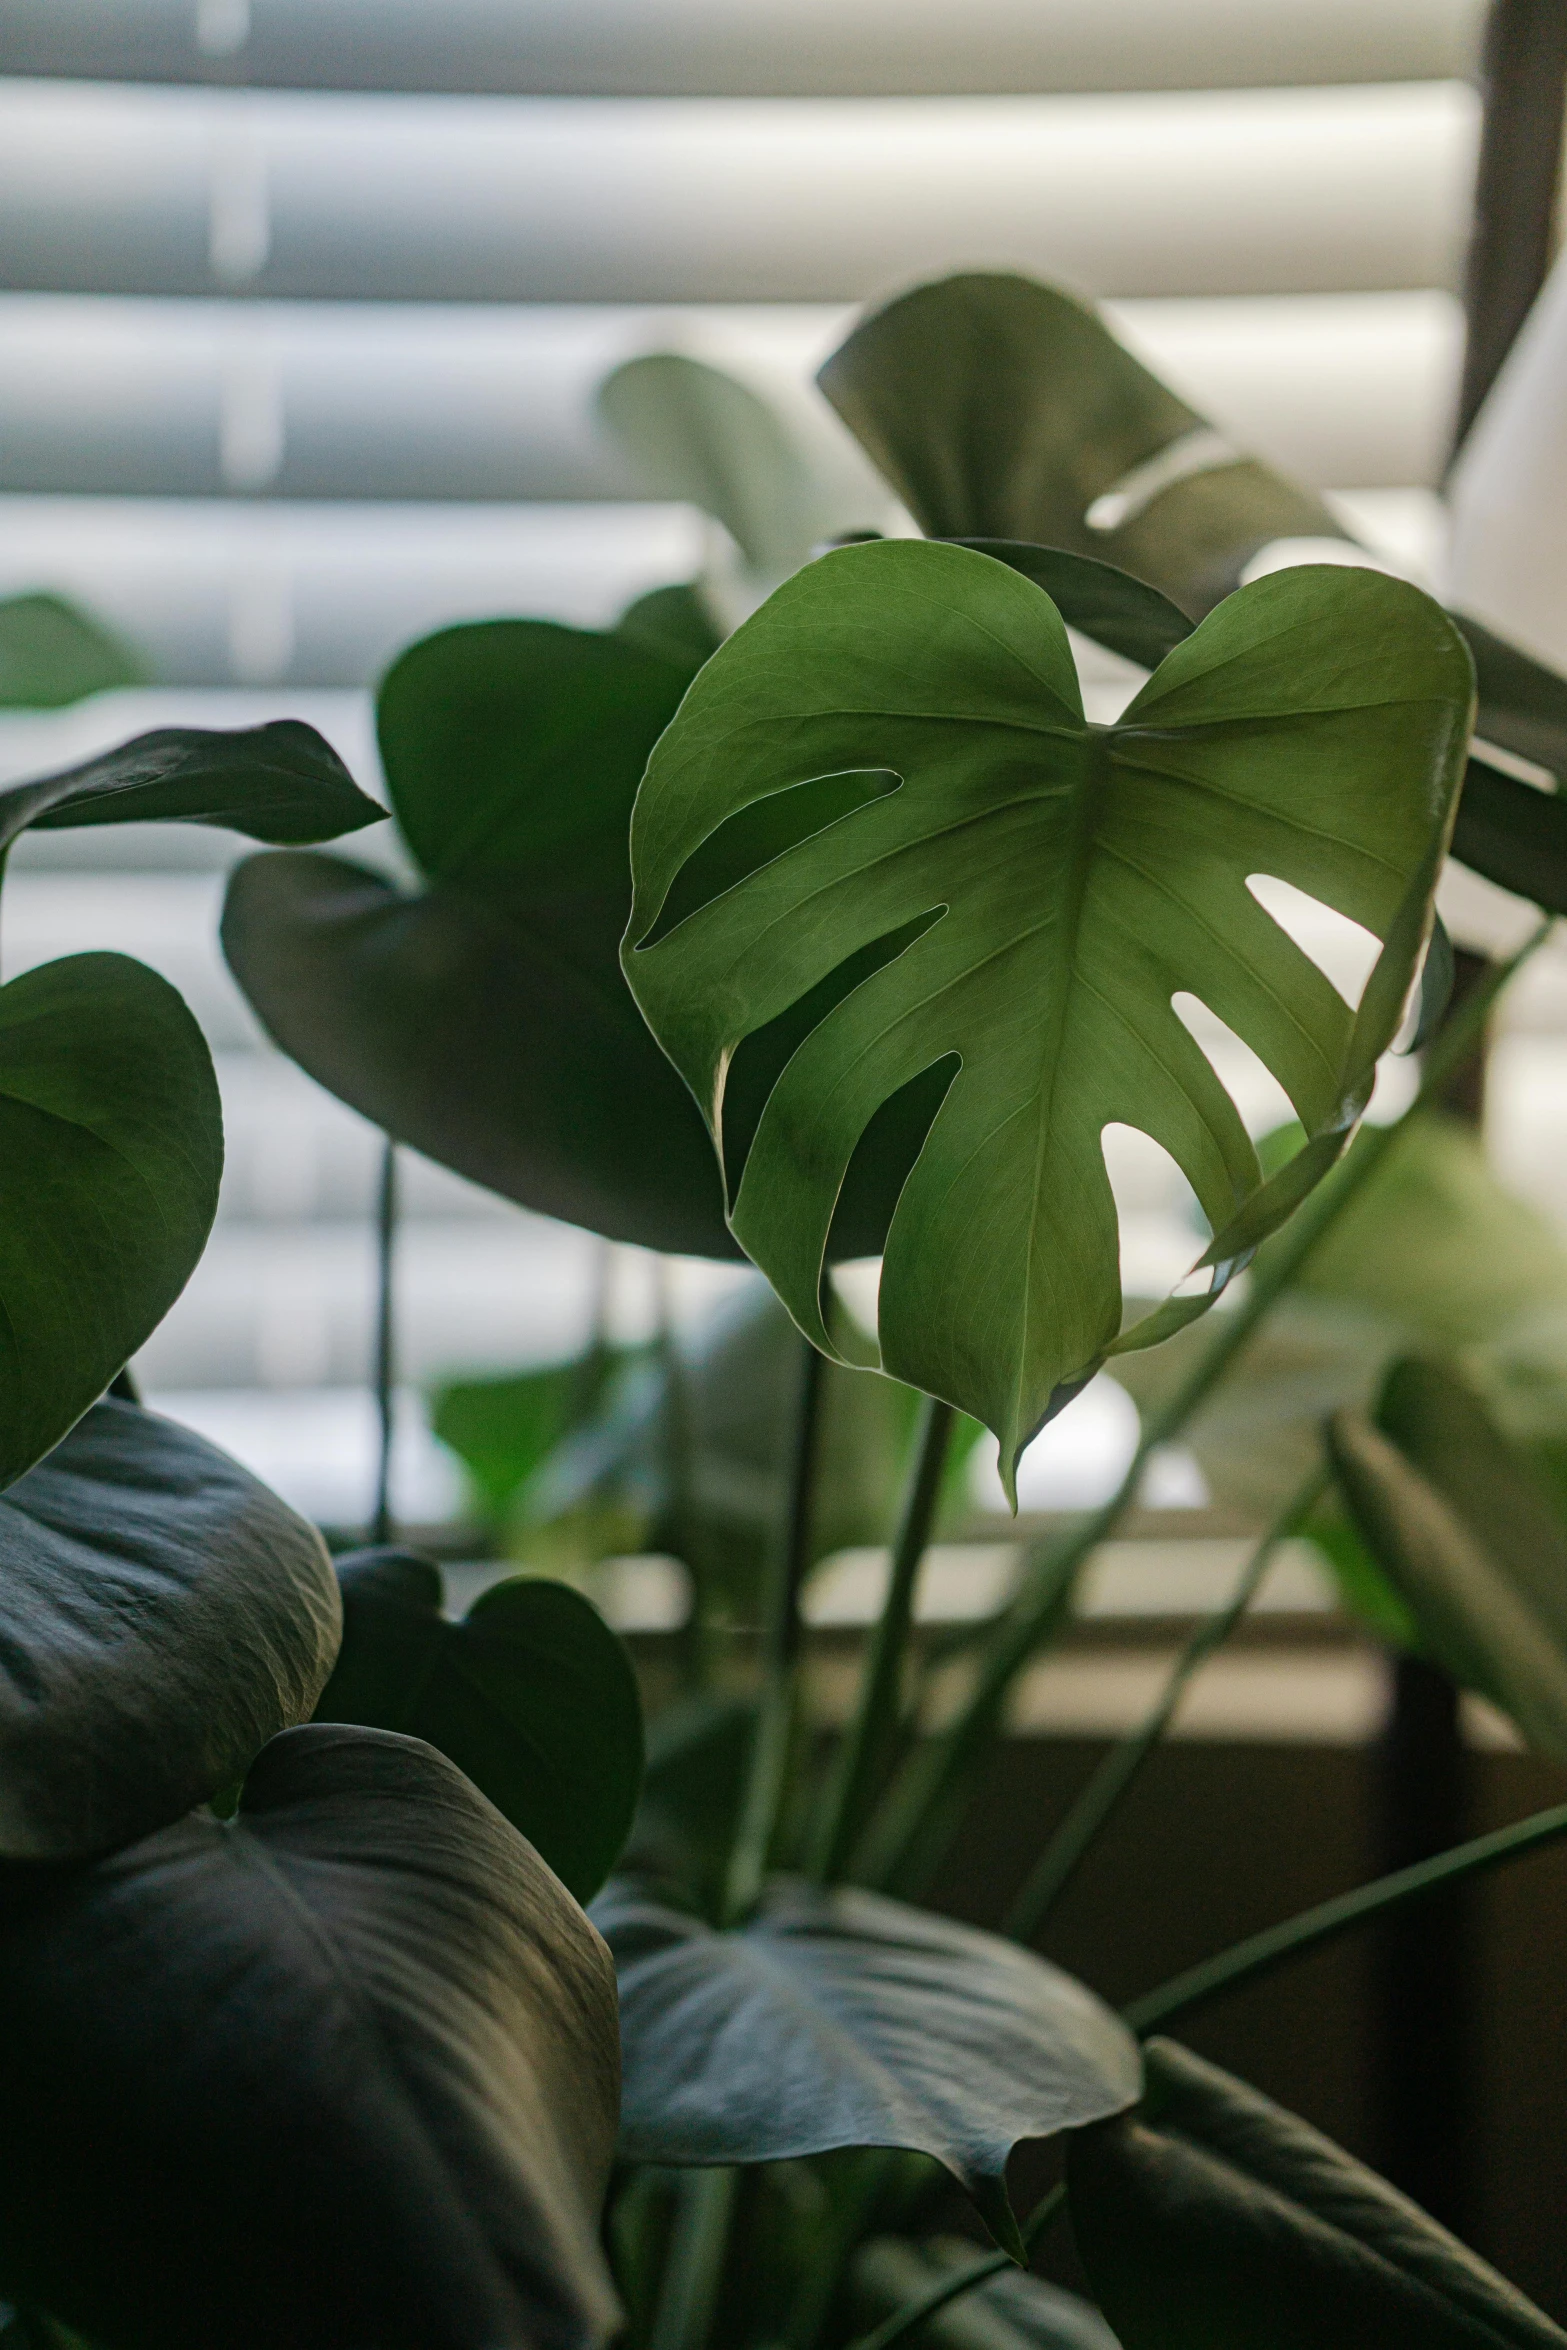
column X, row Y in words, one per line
column 1000, row 408
column 1014, row 2310
column 1213, row 2220
column 111, row 1143
column 1464, row 1531
column 279, row 782
column 981, row 906
column 779, row 477
column 340, row 2070
column 838, row 2018
column 162, row 1614
column 52, row 654
column 484, row 1019
column 532, row 1695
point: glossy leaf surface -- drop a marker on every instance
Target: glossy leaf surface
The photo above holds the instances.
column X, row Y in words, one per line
column 1001, row 408
column 532, row 1695
column 1459, row 1524
column 1214, row 2220
column 162, row 1615
column 340, row 2071
column 111, row 1146
column 52, row 654
column 839, row 2018
column 484, row 1019
column 280, row 782
column 987, row 907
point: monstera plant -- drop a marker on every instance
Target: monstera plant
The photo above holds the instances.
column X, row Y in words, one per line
column 845, row 937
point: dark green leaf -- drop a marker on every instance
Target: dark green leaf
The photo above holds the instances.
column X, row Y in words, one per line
column 1012, row 2311
column 1214, row 2220
column 1110, row 606
column 1513, row 834
column 484, row 1020
column 162, row 1614
column 1523, row 705
column 531, row 1694
column 838, row 2018
column 673, row 622
column 692, row 1791
column 1459, row 1524
column 1002, row 409
column 280, row 782
column 340, row 2071
column 987, row 905
column 112, row 1138
column 52, row 654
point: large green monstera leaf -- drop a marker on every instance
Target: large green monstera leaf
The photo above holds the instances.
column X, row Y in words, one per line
column 882, row 863
column 1001, row 408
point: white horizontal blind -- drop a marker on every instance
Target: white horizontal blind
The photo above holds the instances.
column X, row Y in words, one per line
column 302, row 307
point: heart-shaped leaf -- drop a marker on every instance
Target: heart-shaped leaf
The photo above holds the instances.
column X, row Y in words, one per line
column 484, row 1019
column 504, row 1428
column 52, row 654
column 839, row 2018
column 1214, row 2220
column 1000, row 408
column 881, row 824
column 279, row 782
column 340, row 2071
column 111, row 1142
column 1457, row 1522
column 162, row 1614
column 532, row 1695
column 1013, row 2310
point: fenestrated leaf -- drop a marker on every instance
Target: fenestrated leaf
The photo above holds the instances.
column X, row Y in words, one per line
column 484, row 1019
column 838, row 2018
column 1214, row 2220
column 111, row 1142
column 1000, row 408
column 1458, row 1522
column 988, row 904
column 52, row 654
column 162, row 1614
column 1013, row 2310
column 340, row 2071
column 279, row 782
column 532, row 1695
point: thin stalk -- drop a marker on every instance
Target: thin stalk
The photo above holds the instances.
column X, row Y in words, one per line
column 1016, row 1634
column 695, row 1663
column 863, row 1753
column 963, row 2280
column 385, row 1241
column 693, row 2268
column 1245, row 1963
column 5, row 851
column 1059, row 1861
column 780, row 1656
column 1261, row 1953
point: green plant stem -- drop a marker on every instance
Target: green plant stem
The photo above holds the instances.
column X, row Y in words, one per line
column 780, row 1657
column 864, row 1750
column 694, row 2264
column 1261, row 1953
column 385, row 1238
column 926, row 1778
column 1245, row 1963
column 1059, row 1861
column 914, row 2313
